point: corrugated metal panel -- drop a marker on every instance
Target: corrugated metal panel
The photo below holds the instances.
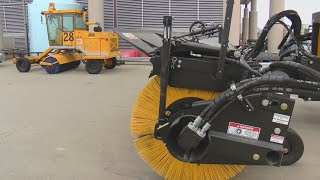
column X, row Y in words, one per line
column 10, row 1
column 129, row 14
column 13, row 21
column 19, row 42
column 108, row 14
column 184, row 12
column 211, row 11
column 153, row 12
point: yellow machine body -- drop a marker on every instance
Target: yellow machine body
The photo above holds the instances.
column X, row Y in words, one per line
column 316, row 34
column 70, row 40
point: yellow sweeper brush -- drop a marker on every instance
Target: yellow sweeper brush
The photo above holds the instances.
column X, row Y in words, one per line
column 154, row 152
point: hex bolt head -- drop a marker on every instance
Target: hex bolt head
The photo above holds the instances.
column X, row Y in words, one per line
column 265, row 102
column 277, row 131
column 179, row 61
column 179, row 66
column 237, row 54
column 311, row 62
column 284, row 106
column 256, row 157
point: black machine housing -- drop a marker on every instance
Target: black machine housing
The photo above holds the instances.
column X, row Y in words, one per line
column 250, row 126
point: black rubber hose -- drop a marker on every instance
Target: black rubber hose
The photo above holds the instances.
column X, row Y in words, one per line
column 297, row 67
column 296, row 25
column 264, row 81
column 264, row 89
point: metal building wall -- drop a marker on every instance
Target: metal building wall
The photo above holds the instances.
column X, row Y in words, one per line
column 13, row 21
column 136, row 14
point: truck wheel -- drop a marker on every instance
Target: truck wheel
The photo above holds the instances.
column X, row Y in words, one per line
column 23, row 65
column 113, row 64
column 294, row 148
column 94, row 66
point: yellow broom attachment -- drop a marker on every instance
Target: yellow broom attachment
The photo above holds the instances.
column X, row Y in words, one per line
column 154, row 152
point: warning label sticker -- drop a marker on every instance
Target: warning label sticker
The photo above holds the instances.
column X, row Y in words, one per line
column 244, row 130
column 281, row 119
column 277, row 139
column 130, row 36
column 79, row 41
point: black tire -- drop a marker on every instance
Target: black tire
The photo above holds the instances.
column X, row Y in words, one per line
column 23, row 65
column 294, row 144
column 94, row 66
column 113, row 64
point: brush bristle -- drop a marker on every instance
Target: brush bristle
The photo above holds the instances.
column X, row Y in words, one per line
column 154, row 152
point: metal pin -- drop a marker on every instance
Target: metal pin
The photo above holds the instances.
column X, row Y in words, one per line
column 265, row 102
column 284, row 106
column 256, row 157
column 277, row 131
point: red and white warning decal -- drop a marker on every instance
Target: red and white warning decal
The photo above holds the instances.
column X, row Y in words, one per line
column 277, row 139
column 130, row 36
column 244, row 130
column 281, row 119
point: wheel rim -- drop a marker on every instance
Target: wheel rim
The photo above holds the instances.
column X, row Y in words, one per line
column 23, row 64
column 93, row 66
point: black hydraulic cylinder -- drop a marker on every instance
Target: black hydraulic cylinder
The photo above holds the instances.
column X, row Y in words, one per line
column 164, row 73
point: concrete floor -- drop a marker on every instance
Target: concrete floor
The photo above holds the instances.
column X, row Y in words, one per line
column 76, row 126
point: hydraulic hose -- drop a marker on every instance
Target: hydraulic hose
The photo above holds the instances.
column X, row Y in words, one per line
column 264, row 89
column 273, row 81
column 296, row 25
column 293, row 66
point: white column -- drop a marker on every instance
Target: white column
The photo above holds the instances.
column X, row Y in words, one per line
column 253, row 29
column 236, row 22
column 276, row 33
column 1, row 33
column 96, row 14
column 245, row 25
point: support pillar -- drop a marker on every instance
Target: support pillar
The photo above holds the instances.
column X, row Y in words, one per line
column 1, row 34
column 276, row 33
column 253, row 29
column 236, row 22
column 96, row 14
column 245, row 25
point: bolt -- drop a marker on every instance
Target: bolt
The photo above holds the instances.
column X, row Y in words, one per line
column 237, row 54
column 256, row 157
column 265, row 102
column 179, row 66
column 168, row 113
column 179, row 61
column 311, row 62
column 277, row 130
column 309, row 99
column 284, row 106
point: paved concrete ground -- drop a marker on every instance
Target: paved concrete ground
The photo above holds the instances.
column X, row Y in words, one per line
column 76, row 126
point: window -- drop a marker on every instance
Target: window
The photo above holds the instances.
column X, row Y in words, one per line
column 79, row 22
column 54, row 24
column 68, row 23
